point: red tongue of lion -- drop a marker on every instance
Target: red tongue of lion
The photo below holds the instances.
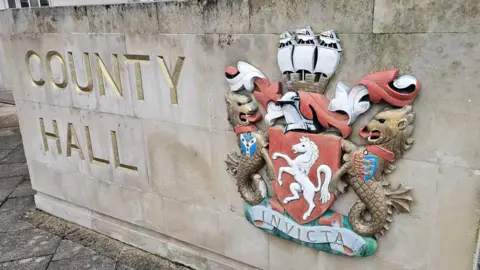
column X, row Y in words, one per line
column 252, row 118
column 364, row 133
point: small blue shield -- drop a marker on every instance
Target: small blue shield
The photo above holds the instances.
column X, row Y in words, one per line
column 248, row 144
column 370, row 167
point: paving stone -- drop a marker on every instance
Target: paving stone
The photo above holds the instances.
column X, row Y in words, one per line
column 19, row 204
column 26, row 244
column 23, row 190
column 7, row 185
column 9, row 121
column 6, row 109
column 10, row 138
column 4, row 153
column 123, row 267
column 27, row 264
column 69, row 249
column 12, row 220
column 84, row 262
column 15, row 156
column 15, row 169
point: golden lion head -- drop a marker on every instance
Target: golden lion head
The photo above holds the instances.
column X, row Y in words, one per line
column 391, row 128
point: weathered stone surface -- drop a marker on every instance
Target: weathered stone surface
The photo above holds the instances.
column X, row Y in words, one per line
column 9, row 121
column 68, row 250
column 6, row 21
column 16, row 246
column 10, row 170
column 192, row 95
column 24, row 21
column 18, row 204
column 426, row 16
column 23, row 190
column 15, row 156
column 64, row 210
column 141, row 18
column 106, row 18
column 11, row 220
column 11, row 138
column 84, row 262
column 8, row 185
column 276, row 16
column 62, row 19
column 27, row 264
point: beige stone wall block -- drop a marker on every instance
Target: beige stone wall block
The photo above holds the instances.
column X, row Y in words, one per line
column 65, row 118
column 87, row 94
column 37, row 84
column 287, row 255
column 243, row 241
column 426, row 16
column 446, row 103
column 223, row 143
column 226, row 50
column 63, row 209
column 106, row 18
column 6, row 22
column 153, row 217
column 169, row 13
column 190, row 104
column 129, row 234
column 72, row 187
column 276, row 16
column 193, row 224
column 140, row 18
column 456, row 225
column 24, row 21
column 62, row 19
column 226, row 16
column 180, row 164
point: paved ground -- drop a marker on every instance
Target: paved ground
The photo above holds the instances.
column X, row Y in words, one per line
column 32, row 239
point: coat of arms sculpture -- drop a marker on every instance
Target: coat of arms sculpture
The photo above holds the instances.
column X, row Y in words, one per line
column 295, row 159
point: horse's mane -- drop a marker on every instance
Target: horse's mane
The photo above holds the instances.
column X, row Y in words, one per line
column 315, row 153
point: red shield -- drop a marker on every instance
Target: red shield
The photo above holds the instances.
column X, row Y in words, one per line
column 329, row 153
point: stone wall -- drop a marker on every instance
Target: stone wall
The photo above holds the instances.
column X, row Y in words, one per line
column 146, row 166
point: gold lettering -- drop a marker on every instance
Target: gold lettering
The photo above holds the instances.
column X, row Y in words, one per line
column 88, row 89
column 116, row 154
column 308, row 237
column 91, row 155
column 172, row 81
column 136, row 60
column 50, row 56
column 286, row 227
column 32, row 54
column 102, row 72
column 326, row 234
column 339, row 239
column 48, row 135
column 274, row 219
column 75, row 145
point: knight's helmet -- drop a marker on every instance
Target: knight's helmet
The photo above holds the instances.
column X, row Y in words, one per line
column 308, row 61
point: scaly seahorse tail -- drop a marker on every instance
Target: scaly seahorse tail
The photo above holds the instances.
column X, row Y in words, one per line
column 381, row 214
column 251, row 187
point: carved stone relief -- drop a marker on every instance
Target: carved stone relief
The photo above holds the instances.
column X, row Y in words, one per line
column 302, row 142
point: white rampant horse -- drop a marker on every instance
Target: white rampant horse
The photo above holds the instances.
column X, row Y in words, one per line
column 299, row 168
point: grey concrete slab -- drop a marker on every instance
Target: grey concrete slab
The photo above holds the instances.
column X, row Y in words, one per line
column 35, row 263
column 8, row 185
column 11, row 220
column 10, row 138
column 15, row 156
column 69, row 249
column 7, row 97
column 23, row 190
column 4, row 153
column 18, row 204
column 85, row 262
column 16, row 169
column 9, row 121
column 27, row 244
